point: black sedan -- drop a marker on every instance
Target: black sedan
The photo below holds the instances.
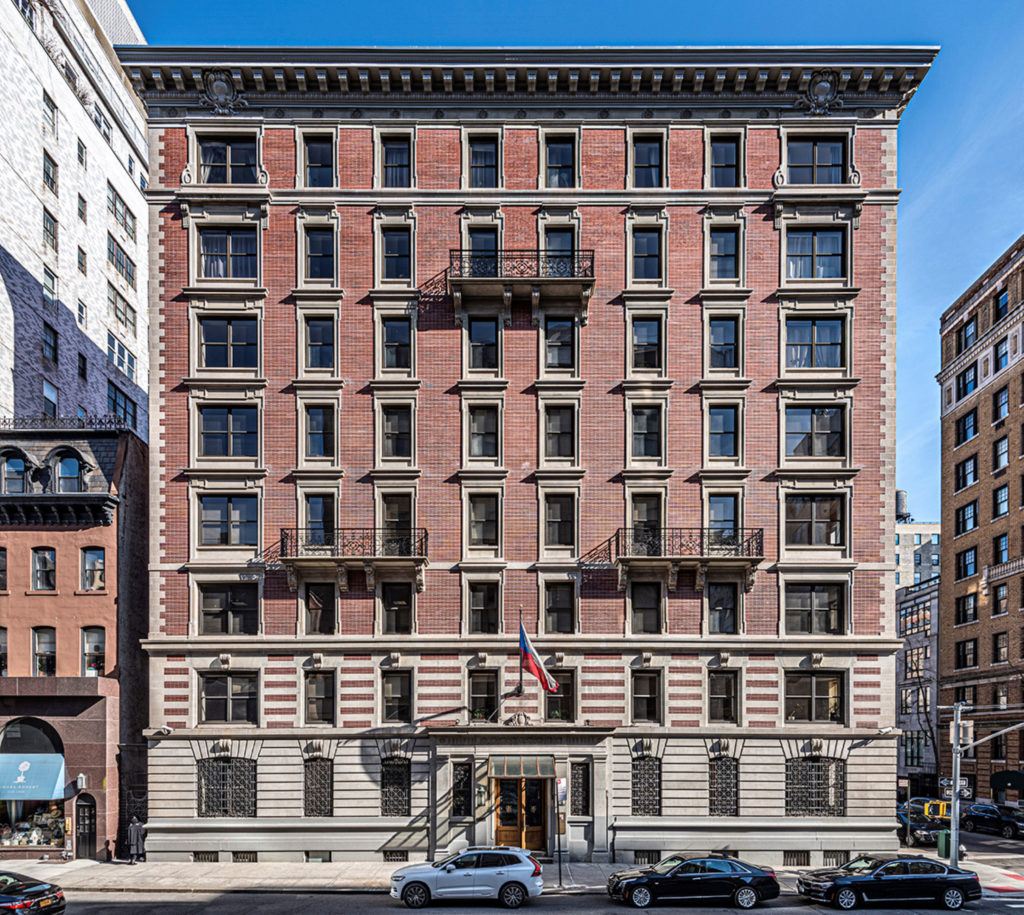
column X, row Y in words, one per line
column 683, row 878
column 889, row 879
column 915, row 829
column 19, row 893
column 1004, row 821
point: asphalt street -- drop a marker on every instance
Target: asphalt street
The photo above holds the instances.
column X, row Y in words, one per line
column 353, row 904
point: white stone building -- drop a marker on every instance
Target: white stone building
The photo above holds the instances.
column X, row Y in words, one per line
column 73, row 230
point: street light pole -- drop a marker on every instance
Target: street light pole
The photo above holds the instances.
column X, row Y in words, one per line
column 954, row 809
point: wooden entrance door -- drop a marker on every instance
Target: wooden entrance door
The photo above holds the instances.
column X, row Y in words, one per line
column 520, row 806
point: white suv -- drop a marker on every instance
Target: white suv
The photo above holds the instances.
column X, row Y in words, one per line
column 510, row 875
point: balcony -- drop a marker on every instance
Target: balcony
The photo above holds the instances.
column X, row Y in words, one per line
column 540, row 275
column 665, row 551
column 1003, row 570
column 375, row 550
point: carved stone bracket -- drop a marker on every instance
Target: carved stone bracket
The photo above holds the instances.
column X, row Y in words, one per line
column 371, row 578
column 420, row 579
column 700, row 576
column 341, row 577
column 293, row 584
column 748, row 579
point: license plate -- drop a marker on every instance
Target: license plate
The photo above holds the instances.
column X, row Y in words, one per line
column 43, row 903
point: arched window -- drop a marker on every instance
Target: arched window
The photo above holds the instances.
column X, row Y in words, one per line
column 815, row 787
column 69, row 473
column 12, row 474
column 646, row 785
column 724, row 787
column 318, row 788
column 30, row 735
column 395, row 787
column 93, row 651
column 226, row 787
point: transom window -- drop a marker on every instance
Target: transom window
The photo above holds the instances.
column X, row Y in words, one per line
column 816, row 160
column 227, row 160
column 815, row 254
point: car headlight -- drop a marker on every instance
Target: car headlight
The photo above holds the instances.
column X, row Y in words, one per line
column 398, row 878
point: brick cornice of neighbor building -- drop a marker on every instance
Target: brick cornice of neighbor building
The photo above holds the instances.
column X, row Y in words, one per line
column 820, row 80
column 994, row 274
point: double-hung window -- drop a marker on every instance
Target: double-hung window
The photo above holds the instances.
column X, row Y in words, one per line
column 484, row 609
column 816, row 697
column 966, row 381
column 230, row 697
column 814, row 520
column 483, row 161
column 228, row 253
column 815, row 609
column 560, row 161
column 228, row 520
column 228, row 431
column 319, row 151
column 647, row 346
column 816, row 160
column 815, row 343
column 560, row 432
column 814, row 432
column 397, row 156
column 724, row 256
column 227, row 160
column 319, row 253
column 228, row 343
column 397, row 337
column 229, row 609
column 320, row 431
column 397, row 241
column 647, row 155
column 559, row 343
column 817, row 254
column 725, row 154
column 723, row 440
column 646, row 253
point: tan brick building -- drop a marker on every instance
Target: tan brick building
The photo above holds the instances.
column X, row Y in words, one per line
column 981, row 643
column 601, row 337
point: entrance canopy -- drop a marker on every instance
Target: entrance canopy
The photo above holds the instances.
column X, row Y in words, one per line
column 32, row 776
column 521, row 767
column 1014, row 780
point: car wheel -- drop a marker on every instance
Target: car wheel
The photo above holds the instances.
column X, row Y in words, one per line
column 640, row 897
column 415, row 895
column 512, row 895
column 953, row 898
column 846, row 898
column 1009, row 832
column 970, row 825
column 745, row 897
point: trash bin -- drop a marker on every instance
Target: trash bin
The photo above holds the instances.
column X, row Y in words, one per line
column 943, row 843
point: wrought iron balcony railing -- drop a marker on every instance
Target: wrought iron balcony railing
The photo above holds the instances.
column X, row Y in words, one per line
column 689, row 542
column 38, row 422
column 507, row 264
column 353, row 543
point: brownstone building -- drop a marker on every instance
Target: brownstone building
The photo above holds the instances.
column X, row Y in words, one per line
column 599, row 339
column 981, row 641
column 73, row 526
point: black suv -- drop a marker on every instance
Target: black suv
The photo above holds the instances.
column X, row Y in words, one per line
column 683, row 878
column 890, row 879
column 1006, row 821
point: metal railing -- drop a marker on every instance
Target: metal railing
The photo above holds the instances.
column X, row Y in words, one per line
column 103, row 422
column 523, row 264
column 638, row 542
column 353, row 542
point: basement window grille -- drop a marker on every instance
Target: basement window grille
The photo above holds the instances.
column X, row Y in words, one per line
column 318, row 788
column 243, row 857
column 833, row 858
column 205, row 857
column 226, row 787
column 394, row 857
column 395, row 787
column 579, row 795
column 646, row 856
column 796, row 858
column 815, row 787
column 646, row 786
column 724, row 787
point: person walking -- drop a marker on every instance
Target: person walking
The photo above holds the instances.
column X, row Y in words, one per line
column 136, row 840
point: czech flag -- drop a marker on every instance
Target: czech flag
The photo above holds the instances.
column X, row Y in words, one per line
column 530, row 661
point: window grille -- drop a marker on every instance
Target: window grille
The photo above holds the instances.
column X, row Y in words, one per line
column 833, row 858
column 318, row 788
column 579, row 794
column 816, row 787
column 395, row 787
column 205, row 857
column 646, row 856
column 724, row 787
column 646, row 786
column 462, row 789
column 243, row 857
column 226, row 787
column 795, row 857
column 396, row 856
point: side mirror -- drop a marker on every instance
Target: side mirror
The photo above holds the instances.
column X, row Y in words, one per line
column 448, row 868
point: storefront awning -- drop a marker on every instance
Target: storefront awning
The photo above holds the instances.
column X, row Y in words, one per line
column 1013, row 780
column 521, row 767
column 31, row 776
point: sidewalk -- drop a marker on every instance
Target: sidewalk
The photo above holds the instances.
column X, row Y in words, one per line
column 353, row 877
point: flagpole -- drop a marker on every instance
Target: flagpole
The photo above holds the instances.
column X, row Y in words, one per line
column 519, row 691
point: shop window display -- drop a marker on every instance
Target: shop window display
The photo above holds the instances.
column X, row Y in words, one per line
column 26, row 820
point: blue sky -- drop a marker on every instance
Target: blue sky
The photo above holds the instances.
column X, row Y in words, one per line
column 960, row 144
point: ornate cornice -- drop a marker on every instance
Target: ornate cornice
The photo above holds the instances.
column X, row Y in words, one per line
column 444, row 83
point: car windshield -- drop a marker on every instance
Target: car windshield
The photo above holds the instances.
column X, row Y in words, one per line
column 667, row 864
column 447, row 860
column 861, row 865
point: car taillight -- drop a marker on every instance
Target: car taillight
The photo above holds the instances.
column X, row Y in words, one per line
column 11, row 906
column 768, row 871
column 536, row 866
